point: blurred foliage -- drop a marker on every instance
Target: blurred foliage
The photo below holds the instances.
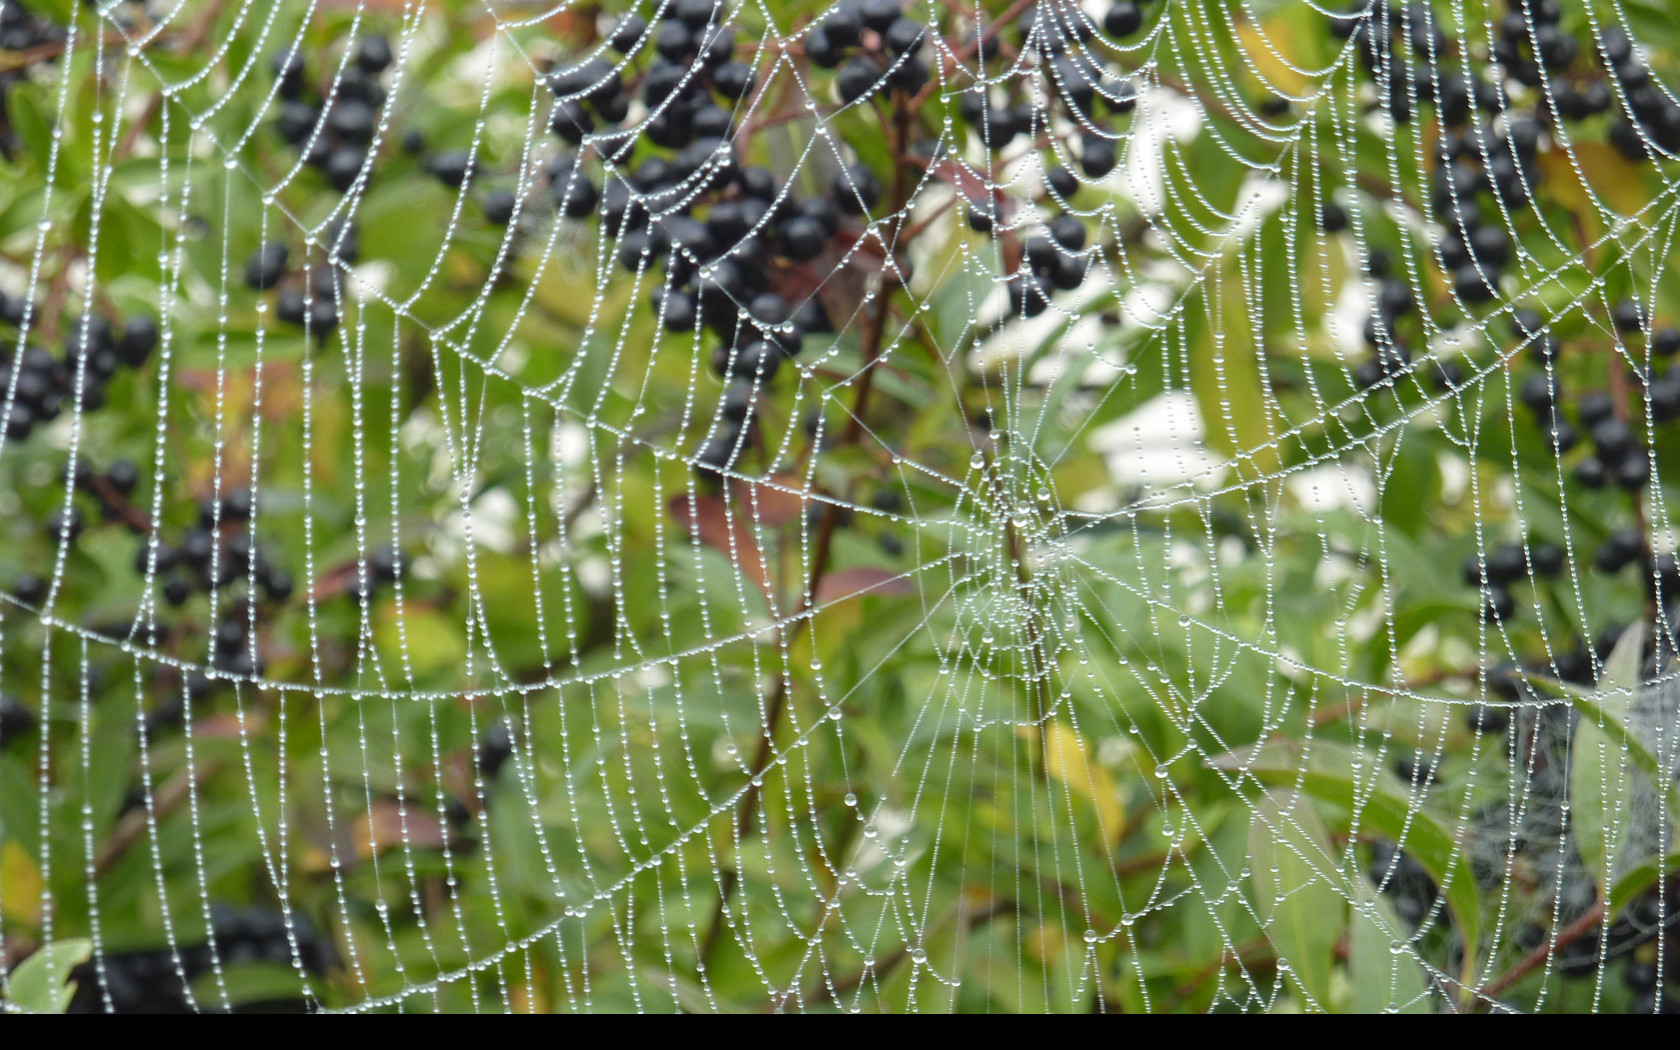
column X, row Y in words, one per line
column 1118, row 748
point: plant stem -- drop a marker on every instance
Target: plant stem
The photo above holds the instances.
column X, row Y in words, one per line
column 874, row 325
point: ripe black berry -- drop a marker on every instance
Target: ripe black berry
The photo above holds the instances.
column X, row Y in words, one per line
column 821, row 49
column 1062, row 182
column 275, row 583
column 739, row 402
column 296, row 121
column 758, row 360
column 139, row 339
column 289, row 70
column 1068, row 232
column 716, row 455
column 1547, row 559
column 904, row 36
column 373, row 54
column 451, row 168
column 1096, row 155
column 856, row 190
column 1633, row 472
column 15, row 720
column 1506, row 563
column 858, row 78
column 1538, row 392
column 176, row 591
column 1498, row 605
column 1122, row 19
column 733, row 80
column 1628, row 316
column 290, row 307
column 1473, row 284
column 574, row 195
column 627, row 33
column 679, row 311
column 1592, row 473
column 267, row 266
column 495, row 749
column 30, row 589
column 122, row 476
column 1620, row 549
column 878, row 14
column 499, row 206
column 353, row 119
column 571, row 121
column 1613, row 438
column 1595, row 408
column 1027, row 295
column 673, row 40
column 343, row 165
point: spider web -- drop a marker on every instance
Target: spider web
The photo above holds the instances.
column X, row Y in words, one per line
column 1114, row 657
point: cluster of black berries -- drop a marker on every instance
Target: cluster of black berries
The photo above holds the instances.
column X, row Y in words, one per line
column 1391, row 353
column 335, row 129
column 1504, row 566
column 1408, row 886
column 1637, row 932
column 150, row 982
column 1508, row 681
column 21, row 31
column 213, row 555
column 1656, row 115
column 1383, row 34
column 1633, row 937
column 309, row 299
column 45, row 385
column 1053, row 262
column 731, row 241
column 879, row 45
column 1618, row 454
column 1076, row 80
column 1474, row 191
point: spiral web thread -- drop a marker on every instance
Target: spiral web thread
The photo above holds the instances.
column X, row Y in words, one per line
column 1074, row 653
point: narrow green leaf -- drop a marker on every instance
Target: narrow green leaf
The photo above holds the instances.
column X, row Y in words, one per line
column 1639, row 878
column 1597, row 797
column 1297, row 883
column 1603, row 747
column 1384, row 980
column 1355, row 783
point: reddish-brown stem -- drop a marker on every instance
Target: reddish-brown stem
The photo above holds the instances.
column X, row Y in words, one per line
column 1538, row 957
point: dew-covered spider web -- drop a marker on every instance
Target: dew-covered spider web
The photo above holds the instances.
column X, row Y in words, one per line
column 876, row 506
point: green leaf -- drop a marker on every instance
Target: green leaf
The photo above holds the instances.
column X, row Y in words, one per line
column 1598, row 795
column 250, row 982
column 1637, row 879
column 1602, row 749
column 1384, row 980
column 1296, row 883
column 41, row 984
column 1355, row 782
column 1225, row 378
